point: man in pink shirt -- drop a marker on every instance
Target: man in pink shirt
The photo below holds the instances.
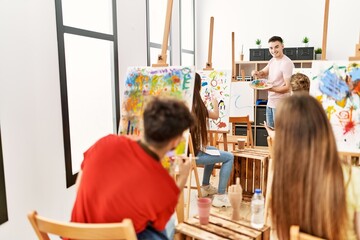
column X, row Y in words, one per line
column 278, row 72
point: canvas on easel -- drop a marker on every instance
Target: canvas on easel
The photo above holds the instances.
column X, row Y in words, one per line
column 337, row 86
column 217, row 84
column 143, row 82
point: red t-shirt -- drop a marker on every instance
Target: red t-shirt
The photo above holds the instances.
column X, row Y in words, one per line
column 120, row 180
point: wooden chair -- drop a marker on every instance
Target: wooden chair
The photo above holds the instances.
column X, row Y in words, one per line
column 215, row 138
column 232, row 139
column 295, row 234
column 81, row 231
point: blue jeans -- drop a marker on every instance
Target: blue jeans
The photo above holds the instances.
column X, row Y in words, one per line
column 270, row 116
column 152, row 234
column 227, row 160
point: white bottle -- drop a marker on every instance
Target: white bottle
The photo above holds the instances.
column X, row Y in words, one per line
column 257, row 209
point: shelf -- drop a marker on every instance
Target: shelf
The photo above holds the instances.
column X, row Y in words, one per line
column 260, row 134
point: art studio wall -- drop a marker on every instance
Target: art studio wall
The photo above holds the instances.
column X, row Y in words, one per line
column 30, row 103
column 292, row 20
column 30, row 107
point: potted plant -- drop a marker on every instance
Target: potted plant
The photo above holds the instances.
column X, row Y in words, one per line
column 318, row 53
column 306, row 41
column 258, row 42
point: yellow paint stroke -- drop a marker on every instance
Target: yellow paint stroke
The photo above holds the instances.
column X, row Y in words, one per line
column 329, row 111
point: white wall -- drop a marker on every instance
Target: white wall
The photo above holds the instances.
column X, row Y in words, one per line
column 30, row 115
column 292, row 20
column 30, row 106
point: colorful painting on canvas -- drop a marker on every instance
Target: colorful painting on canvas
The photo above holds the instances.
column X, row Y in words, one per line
column 337, row 86
column 217, row 84
column 143, row 82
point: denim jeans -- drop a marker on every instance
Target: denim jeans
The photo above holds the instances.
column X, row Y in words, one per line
column 152, row 234
column 270, row 116
column 227, row 160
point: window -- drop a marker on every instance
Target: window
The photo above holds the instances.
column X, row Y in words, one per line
column 155, row 16
column 187, row 27
column 88, row 65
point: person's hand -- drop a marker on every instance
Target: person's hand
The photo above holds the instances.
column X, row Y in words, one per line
column 270, row 131
column 254, row 73
column 214, row 101
column 184, row 165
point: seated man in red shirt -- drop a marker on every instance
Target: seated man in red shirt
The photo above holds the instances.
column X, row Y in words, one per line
column 122, row 178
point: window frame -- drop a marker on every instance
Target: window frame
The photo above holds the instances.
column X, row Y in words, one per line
column 182, row 50
column 61, row 31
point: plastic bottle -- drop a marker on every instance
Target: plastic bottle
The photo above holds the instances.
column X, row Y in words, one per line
column 257, row 209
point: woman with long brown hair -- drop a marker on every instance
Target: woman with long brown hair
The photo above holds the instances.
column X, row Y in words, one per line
column 200, row 140
column 311, row 187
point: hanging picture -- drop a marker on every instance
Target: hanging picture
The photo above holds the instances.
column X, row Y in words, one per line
column 337, row 86
column 141, row 83
column 217, row 84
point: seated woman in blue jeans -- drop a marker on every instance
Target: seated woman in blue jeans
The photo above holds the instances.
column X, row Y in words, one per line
column 200, row 141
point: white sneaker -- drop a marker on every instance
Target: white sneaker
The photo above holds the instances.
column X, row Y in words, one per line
column 221, row 201
column 208, row 190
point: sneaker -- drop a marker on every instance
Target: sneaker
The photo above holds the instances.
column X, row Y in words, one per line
column 208, row 190
column 221, row 201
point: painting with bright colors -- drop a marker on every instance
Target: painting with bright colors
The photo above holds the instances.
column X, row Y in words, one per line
column 217, row 84
column 143, row 82
column 337, row 86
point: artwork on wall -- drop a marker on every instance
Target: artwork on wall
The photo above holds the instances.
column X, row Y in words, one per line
column 217, row 84
column 3, row 204
column 242, row 100
column 143, row 82
column 337, row 86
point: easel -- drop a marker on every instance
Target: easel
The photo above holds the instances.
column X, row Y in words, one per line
column 233, row 79
column 209, row 63
column 163, row 56
column 357, row 52
column 326, row 20
column 162, row 63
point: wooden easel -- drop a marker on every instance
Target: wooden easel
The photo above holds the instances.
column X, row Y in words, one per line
column 357, row 52
column 163, row 56
column 233, row 56
column 209, row 63
column 325, row 28
column 233, row 79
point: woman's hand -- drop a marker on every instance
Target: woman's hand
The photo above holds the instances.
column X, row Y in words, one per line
column 270, row 131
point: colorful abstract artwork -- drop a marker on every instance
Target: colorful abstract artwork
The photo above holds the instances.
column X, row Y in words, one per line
column 217, row 84
column 337, row 86
column 143, row 82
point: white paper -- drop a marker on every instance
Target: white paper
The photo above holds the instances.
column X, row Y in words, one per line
column 213, row 152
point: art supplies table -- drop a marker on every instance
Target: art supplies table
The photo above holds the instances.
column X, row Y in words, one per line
column 251, row 166
column 222, row 227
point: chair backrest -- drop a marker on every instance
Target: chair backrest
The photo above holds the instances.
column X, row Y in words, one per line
column 81, row 231
column 295, row 234
column 243, row 120
column 216, row 135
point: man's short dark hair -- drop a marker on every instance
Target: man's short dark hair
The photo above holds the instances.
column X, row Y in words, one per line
column 275, row 38
column 165, row 118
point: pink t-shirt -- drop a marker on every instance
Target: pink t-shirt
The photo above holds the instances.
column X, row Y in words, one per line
column 278, row 70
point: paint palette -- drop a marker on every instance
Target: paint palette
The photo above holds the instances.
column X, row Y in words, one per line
column 260, row 84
